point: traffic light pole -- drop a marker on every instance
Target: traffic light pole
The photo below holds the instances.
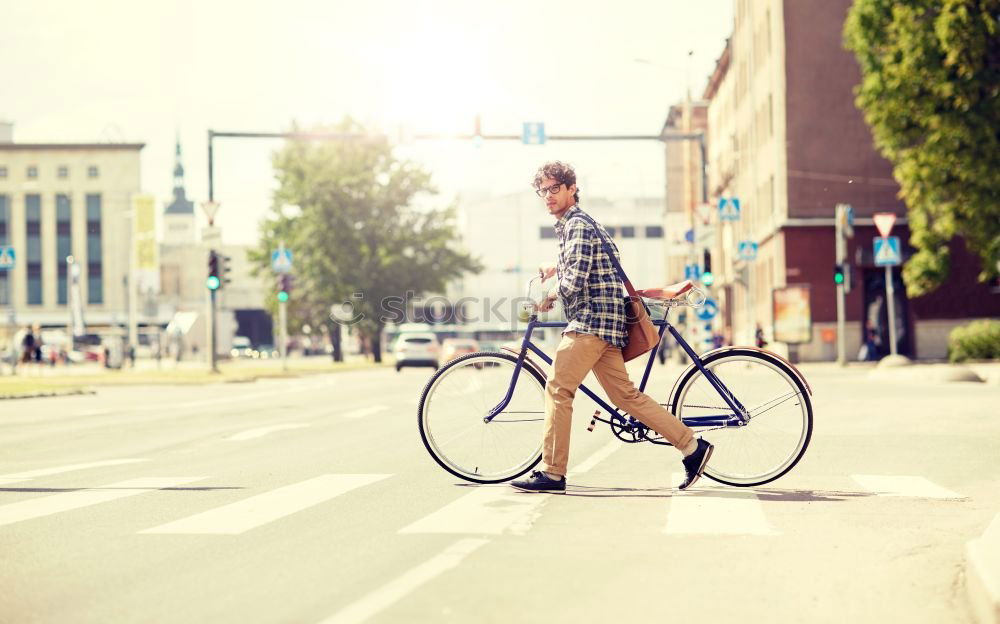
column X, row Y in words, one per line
column 283, row 332
column 213, row 362
column 841, row 295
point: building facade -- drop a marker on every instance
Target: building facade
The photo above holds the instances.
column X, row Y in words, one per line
column 787, row 140
column 62, row 200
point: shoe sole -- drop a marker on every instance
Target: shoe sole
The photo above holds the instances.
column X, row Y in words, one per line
column 701, row 468
column 521, row 489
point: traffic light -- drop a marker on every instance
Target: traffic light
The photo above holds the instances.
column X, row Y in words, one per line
column 213, row 282
column 224, row 269
column 838, row 274
column 707, row 277
column 284, row 287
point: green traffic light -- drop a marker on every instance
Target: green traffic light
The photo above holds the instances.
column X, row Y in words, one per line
column 212, row 282
column 282, row 296
column 838, row 278
column 707, row 278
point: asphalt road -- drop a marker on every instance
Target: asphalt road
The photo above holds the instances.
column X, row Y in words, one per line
column 313, row 500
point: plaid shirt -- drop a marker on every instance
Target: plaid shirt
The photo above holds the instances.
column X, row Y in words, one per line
column 589, row 287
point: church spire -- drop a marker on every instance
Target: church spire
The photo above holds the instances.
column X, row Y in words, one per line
column 181, row 204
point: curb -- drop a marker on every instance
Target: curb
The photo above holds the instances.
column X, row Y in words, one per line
column 982, row 574
column 44, row 394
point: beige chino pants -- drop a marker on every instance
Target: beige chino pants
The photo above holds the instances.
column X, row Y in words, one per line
column 576, row 356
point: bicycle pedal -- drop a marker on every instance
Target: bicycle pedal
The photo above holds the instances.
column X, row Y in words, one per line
column 593, row 421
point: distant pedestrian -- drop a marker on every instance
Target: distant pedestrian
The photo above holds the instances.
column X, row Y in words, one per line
column 27, row 346
column 869, row 349
column 759, row 337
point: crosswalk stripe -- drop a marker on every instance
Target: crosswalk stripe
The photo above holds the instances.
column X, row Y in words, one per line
column 597, row 457
column 716, row 512
column 487, row 510
column 365, row 411
column 67, row 501
column 44, row 472
column 903, row 485
column 255, row 511
column 260, row 432
column 392, row 592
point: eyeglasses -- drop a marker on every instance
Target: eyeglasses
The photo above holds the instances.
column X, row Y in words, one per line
column 542, row 192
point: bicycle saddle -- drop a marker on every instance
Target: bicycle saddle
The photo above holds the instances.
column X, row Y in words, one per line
column 668, row 292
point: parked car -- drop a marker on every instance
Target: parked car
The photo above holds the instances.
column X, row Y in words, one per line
column 265, row 352
column 241, row 348
column 452, row 348
column 417, row 349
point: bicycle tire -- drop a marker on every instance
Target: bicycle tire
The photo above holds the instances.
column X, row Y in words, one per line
column 768, row 374
column 470, row 469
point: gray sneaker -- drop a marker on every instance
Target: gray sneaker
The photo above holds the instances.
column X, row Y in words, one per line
column 537, row 481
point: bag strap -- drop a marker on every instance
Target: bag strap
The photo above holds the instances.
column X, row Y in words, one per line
column 608, row 250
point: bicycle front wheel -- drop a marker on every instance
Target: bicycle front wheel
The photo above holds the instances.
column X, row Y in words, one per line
column 457, row 399
column 780, row 425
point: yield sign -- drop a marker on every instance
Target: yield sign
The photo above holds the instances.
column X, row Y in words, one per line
column 884, row 222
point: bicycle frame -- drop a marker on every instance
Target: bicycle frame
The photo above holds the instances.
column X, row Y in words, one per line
column 738, row 418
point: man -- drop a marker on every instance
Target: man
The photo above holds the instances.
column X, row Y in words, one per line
column 594, row 302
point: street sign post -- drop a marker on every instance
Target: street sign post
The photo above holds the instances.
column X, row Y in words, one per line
column 889, row 254
column 533, row 133
column 884, row 222
column 729, row 209
column 747, row 250
column 281, row 260
column 692, row 272
column 708, row 310
column 7, row 258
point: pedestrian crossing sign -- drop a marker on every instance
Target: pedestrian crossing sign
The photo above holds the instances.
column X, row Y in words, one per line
column 7, row 257
column 729, row 209
column 887, row 251
column 533, row 133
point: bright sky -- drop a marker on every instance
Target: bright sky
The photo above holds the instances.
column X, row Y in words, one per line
column 142, row 71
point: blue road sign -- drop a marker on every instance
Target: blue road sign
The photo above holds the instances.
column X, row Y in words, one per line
column 887, row 251
column 533, row 133
column 692, row 271
column 689, row 236
column 7, row 258
column 729, row 209
column 281, row 260
column 747, row 250
column 708, row 310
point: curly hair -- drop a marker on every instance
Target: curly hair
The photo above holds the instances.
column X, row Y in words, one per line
column 559, row 171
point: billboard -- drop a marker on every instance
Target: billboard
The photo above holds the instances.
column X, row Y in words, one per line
column 792, row 315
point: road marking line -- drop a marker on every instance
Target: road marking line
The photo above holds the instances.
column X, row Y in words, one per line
column 365, row 411
column 597, row 457
column 903, row 485
column 260, row 432
column 255, row 511
column 44, row 472
column 720, row 512
column 67, row 501
column 486, row 510
column 398, row 588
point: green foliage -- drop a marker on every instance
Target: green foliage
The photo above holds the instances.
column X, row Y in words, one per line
column 979, row 340
column 357, row 230
column 930, row 91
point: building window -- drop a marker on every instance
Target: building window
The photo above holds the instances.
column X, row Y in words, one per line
column 63, row 172
column 64, row 243
column 3, row 173
column 33, row 240
column 95, row 283
column 654, row 231
column 32, row 172
column 92, row 171
column 628, row 231
column 547, row 231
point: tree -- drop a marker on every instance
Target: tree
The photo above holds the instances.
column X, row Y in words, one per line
column 930, row 91
column 357, row 236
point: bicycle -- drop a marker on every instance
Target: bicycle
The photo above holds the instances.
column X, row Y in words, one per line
column 481, row 415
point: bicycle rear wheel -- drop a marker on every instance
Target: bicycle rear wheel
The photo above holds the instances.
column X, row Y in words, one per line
column 460, row 395
column 781, row 418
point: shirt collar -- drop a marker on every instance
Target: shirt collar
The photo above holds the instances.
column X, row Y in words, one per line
column 561, row 223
